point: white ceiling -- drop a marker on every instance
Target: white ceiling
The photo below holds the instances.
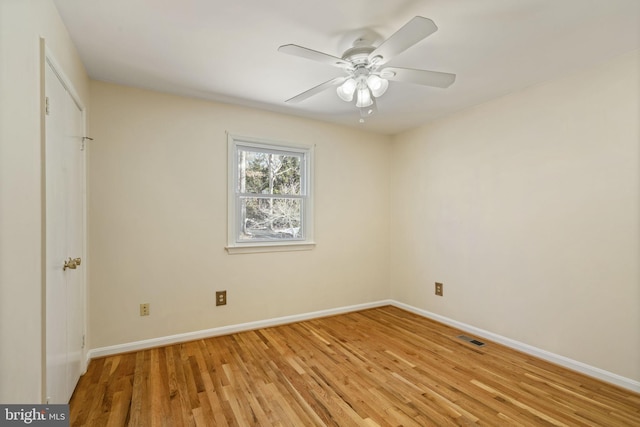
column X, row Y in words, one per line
column 227, row 50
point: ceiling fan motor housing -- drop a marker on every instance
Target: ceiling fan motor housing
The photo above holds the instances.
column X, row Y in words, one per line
column 358, row 55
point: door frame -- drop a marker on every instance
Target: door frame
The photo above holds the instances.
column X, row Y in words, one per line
column 47, row 57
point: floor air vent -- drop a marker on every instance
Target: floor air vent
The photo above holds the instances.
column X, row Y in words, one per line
column 471, row 340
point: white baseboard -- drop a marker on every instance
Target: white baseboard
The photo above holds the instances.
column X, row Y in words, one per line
column 226, row 330
column 574, row 365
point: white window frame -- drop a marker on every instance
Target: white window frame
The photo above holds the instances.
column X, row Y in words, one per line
column 234, row 245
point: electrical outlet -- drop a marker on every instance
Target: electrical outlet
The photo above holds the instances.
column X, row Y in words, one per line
column 439, row 290
column 221, row 297
column 144, row 309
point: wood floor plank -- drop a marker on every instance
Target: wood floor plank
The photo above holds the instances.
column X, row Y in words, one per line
column 378, row 367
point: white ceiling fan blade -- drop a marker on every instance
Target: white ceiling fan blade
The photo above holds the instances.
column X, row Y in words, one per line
column 421, row 77
column 411, row 33
column 314, row 55
column 316, row 90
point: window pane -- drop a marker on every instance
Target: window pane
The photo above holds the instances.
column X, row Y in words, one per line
column 268, row 173
column 270, row 218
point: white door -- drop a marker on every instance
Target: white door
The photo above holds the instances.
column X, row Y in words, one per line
column 64, row 165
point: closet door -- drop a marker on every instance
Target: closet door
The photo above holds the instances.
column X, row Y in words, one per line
column 64, row 175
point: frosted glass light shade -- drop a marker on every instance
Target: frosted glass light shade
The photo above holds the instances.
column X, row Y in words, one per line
column 377, row 85
column 364, row 97
column 345, row 90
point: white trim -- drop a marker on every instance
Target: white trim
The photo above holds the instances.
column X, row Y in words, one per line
column 266, row 247
column 574, row 365
column 563, row 361
column 226, row 330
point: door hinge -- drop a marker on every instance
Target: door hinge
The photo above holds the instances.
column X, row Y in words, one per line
column 84, row 138
column 82, row 341
column 46, row 105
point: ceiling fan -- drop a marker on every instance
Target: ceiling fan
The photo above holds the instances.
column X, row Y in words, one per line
column 366, row 77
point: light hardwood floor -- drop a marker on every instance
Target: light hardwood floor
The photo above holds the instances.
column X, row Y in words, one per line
column 382, row 366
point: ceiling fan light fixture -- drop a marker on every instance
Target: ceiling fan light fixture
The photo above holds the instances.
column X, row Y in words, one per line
column 366, row 77
column 377, row 85
column 345, row 91
column 363, row 97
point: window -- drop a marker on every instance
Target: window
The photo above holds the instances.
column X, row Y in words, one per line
column 270, row 204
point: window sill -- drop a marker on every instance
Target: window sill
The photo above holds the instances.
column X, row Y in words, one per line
column 262, row 248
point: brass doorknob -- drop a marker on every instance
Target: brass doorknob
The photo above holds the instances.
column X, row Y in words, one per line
column 71, row 263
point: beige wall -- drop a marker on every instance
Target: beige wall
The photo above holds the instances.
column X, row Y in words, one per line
column 22, row 23
column 158, row 218
column 527, row 208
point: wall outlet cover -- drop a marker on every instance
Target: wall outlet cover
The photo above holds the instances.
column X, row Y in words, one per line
column 221, row 298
